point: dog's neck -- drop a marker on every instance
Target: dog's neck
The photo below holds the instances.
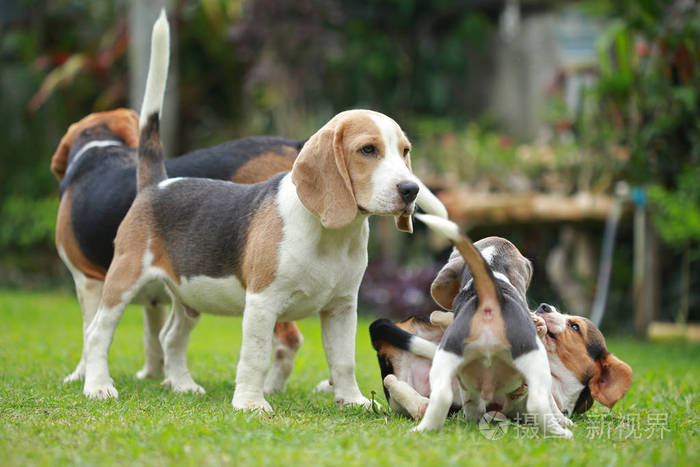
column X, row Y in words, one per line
column 566, row 388
column 304, row 225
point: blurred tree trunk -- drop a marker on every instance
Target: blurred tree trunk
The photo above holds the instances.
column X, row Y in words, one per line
column 142, row 15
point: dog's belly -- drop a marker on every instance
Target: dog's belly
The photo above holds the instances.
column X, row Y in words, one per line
column 218, row 296
column 488, row 371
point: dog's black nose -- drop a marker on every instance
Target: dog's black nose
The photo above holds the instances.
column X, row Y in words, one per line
column 408, row 191
column 544, row 308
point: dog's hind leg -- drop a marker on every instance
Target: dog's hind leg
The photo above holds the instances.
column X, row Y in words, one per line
column 287, row 340
column 534, row 367
column 405, row 399
column 126, row 275
column 153, row 319
column 174, row 338
column 89, row 292
column 443, row 371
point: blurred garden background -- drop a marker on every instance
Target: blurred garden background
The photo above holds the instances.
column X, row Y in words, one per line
column 540, row 121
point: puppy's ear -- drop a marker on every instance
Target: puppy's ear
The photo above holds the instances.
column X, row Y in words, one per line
column 446, row 285
column 611, row 380
column 321, row 176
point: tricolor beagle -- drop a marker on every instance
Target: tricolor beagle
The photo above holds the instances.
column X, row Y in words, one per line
column 95, row 164
column 279, row 250
column 491, row 348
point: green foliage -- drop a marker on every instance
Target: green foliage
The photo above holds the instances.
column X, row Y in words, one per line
column 677, row 212
column 46, row 422
column 647, row 99
column 27, row 223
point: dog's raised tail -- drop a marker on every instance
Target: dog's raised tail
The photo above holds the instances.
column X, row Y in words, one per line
column 483, row 279
column 151, row 167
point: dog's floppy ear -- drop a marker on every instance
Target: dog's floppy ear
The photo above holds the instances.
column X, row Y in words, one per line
column 321, row 176
column 122, row 122
column 611, row 380
column 446, row 285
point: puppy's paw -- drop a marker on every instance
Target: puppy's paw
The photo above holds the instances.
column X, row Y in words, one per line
column 103, row 390
column 540, row 325
column 77, row 375
column 273, row 384
column 252, row 405
column 324, row 386
column 442, row 319
column 183, row 385
column 360, row 401
column 150, row 373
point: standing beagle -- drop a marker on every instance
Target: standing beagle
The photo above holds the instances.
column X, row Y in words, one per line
column 280, row 250
column 491, row 348
column 95, row 164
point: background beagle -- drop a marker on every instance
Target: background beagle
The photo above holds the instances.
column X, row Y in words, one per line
column 280, row 250
column 491, row 347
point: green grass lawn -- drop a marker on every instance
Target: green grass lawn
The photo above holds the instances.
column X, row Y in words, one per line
column 44, row 422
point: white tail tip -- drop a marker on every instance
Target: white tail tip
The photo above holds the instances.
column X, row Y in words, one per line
column 443, row 226
column 430, row 203
column 157, row 69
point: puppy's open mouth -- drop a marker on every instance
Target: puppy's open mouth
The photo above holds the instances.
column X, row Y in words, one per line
column 551, row 336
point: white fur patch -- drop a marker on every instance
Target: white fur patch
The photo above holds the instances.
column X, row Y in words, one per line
column 442, row 226
column 219, row 296
column 157, row 70
column 422, row 347
column 502, row 277
column 169, row 181
column 429, row 202
column 103, row 143
column 391, row 171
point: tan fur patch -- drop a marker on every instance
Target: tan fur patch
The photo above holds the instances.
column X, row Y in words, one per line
column 571, row 350
column 261, row 252
column 263, row 167
column 130, row 245
column 65, row 238
column 487, row 317
column 122, row 122
column 288, row 334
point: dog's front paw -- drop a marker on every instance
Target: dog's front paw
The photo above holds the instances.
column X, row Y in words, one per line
column 103, row 390
column 150, row 373
column 324, row 386
column 540, row 325
column 183, row 385
column 77, row 375
column 252, row 405
column 359, row 401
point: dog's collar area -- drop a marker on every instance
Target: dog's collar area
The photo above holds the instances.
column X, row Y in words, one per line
column 92, row 145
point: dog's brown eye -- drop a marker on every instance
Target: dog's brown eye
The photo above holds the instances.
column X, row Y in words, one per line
column 368, row 150
column 574, row 326
column 405, row 152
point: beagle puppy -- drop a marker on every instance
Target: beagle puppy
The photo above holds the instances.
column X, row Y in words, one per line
column 279, row 250
column 491, row 348
column 577, row 360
